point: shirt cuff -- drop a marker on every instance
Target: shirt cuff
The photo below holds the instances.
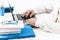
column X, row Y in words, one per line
column 36, row 23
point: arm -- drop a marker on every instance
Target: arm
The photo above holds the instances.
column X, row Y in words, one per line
column 45, row 23
column 47, row 9
column 39, row 10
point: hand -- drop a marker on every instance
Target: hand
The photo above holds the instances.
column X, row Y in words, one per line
column 30, row 21
column 28, row 13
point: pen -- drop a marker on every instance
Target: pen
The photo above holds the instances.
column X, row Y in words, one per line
column 11, row 11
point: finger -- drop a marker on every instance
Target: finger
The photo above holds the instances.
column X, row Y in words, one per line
column 24, row 14
column 32, row 13
column 28, row 12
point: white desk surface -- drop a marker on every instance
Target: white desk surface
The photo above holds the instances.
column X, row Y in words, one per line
column 41, row 35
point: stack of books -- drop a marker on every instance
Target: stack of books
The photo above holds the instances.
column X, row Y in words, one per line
column 26, row 32
column 10, row 27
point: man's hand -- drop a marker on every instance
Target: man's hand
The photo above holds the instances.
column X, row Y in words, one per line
column 28, row 13
column 30, row 21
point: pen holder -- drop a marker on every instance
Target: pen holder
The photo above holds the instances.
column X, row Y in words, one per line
column 5, row 10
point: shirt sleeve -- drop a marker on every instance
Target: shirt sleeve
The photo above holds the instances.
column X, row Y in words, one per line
column 43, row 9
column 41, row 19
column 45, row 23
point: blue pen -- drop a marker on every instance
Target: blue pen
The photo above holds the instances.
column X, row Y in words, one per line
column 2, row 10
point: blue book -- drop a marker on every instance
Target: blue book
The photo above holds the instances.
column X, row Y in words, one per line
column 26, row 32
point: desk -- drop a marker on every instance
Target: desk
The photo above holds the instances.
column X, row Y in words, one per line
column 41, row 35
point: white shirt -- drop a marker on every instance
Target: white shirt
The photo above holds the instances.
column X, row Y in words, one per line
column 46, row 21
